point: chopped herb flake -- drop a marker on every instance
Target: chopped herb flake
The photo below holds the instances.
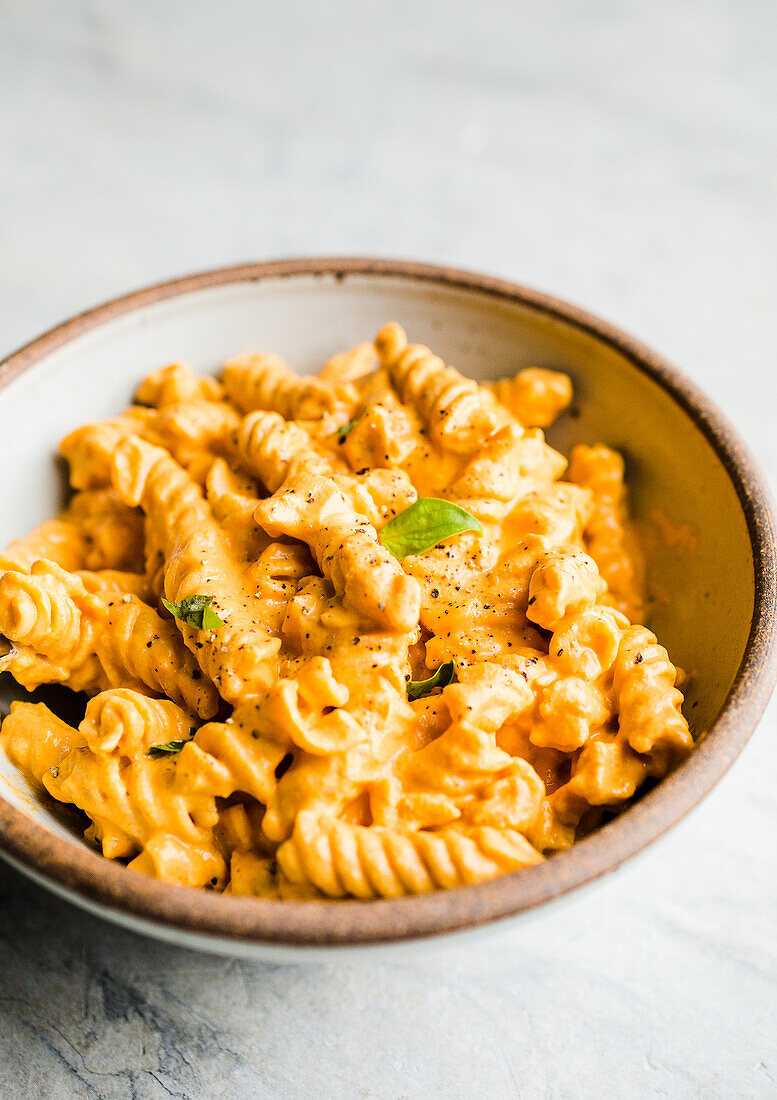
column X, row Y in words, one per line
column 344, row 429
column 195, row 611
column 167, row 748
column 443, row 676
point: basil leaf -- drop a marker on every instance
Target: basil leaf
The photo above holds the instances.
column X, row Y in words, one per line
column 195, row 611
column 166, row 748
column 424, row 524
column 344, row 429
column 443, row 676
column 210, row 620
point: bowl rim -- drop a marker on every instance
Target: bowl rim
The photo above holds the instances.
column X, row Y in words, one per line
column 83, row 874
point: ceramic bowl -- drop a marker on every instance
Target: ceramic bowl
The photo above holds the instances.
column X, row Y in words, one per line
column 702, row 502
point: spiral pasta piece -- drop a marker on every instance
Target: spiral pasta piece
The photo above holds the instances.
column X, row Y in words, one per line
column 89, row 449
column 347, row 366
column 341, row 859
column 240, row 656
column 112, row 582
column 570, row 712
column 193, row 430
column 56, row 540
column 607, row 773
column 95, row 531
column 31, row 669
column 564, row 580
column 465, row 757
column 133, row 800
column 510, row 463
column 125, row 720
column 535, row 397
column 52, row 613
column 138, row 646
column 35, row 739
column 496, row 587
column 274, row 449
column 259, row 381
column 176, row 383
column 459, row 413
column 650, row 718
column 607, row 534
column 383, row 432
column 247, row 749
column 232, row 498
column 346, row 548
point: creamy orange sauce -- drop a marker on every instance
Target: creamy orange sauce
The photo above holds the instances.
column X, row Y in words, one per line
column 294, row 695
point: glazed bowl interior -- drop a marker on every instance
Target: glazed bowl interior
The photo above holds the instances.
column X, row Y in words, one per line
column 700, row 550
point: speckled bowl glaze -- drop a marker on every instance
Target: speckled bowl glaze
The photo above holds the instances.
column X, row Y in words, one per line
column 703, row 504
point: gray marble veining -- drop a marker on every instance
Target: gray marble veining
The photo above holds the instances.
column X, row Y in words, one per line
column 621, row 154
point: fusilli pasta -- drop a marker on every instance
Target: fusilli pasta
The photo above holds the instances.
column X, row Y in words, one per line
column 354, row 634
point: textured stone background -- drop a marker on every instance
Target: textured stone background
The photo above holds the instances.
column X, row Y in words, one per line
column 621, row 154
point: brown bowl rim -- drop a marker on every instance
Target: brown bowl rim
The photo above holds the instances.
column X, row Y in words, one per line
column 86, row 876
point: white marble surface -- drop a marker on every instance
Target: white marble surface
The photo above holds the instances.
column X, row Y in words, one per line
column 622, row 154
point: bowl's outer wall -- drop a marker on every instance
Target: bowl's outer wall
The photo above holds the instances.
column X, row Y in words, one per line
column 704, row 595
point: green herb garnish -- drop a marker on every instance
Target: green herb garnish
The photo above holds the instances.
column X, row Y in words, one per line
column 166, row 748
column 443, row 676
column 344, row 429
column 424, row 524
column 195, row 611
